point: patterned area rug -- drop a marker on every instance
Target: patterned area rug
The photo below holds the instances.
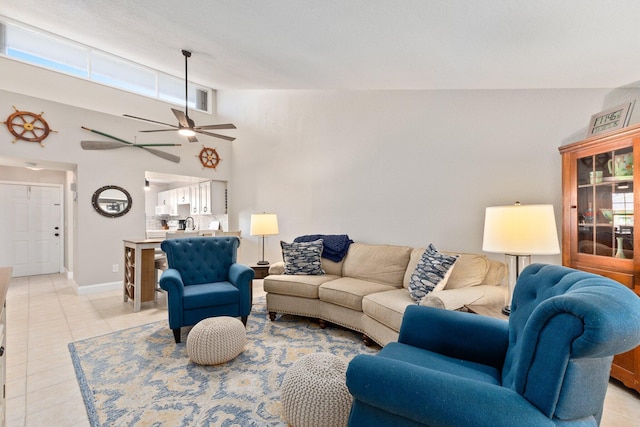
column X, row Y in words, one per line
column 140, row 377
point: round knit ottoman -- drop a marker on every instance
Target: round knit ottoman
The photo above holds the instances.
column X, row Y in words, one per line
column 216, row 340
column 314, row 392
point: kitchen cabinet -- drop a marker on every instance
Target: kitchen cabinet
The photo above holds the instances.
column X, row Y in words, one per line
column 169, row 198
column 218, row 197
column 598, row 212
column 209, row 197
column 183, row 195
column 194, row 197
column 213, row 197
column 205, row 197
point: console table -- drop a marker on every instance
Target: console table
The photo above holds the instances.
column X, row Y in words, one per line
column 492, row 310
column 139, row 271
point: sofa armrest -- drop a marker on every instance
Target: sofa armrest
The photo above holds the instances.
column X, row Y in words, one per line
column 241, row 276
column 456, row 334
column 277, row 268
column 434, row 398
column 455, row 299
column 171, row 281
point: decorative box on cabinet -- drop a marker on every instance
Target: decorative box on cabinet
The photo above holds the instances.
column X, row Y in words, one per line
column 598, row 210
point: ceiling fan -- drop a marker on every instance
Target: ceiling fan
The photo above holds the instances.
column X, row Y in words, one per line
column 186, row 125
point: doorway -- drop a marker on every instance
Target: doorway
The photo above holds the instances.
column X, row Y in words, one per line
column 31, row 228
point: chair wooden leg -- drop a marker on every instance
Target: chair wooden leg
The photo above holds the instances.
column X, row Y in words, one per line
column 176, row 335
column 272, row 315
column 244, row 320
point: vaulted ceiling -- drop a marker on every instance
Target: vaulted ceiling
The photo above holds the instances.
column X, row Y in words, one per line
column 360, row 44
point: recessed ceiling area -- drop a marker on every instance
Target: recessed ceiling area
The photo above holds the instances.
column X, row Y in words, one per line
column 353, row 45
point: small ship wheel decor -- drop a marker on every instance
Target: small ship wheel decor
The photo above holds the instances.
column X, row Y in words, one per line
column 209, row 157
column 28, row 126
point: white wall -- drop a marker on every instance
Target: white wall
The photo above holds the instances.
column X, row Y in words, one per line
column 398, row 167
column 98, row 240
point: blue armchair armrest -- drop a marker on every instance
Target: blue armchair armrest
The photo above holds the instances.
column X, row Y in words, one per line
column 171, row 281
column 240, row 275
column 461, row 335
column 432, row 397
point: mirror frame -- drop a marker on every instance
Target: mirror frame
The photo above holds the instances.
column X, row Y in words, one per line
column 96, row 205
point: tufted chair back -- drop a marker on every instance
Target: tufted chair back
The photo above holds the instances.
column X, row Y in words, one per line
column 201, row 259
column 564, row 328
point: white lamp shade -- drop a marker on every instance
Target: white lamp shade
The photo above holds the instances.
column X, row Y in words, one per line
column 264, row 224
column 520, row 230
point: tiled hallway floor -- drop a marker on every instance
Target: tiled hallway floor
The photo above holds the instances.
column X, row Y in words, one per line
column 44, row 314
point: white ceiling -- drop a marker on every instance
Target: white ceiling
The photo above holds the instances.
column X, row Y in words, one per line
column 360, row 44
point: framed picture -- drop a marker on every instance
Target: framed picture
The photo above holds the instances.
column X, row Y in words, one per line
column 611, row 119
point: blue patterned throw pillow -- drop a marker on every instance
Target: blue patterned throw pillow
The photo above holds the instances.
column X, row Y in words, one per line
column 302, row 258
column 431, row 273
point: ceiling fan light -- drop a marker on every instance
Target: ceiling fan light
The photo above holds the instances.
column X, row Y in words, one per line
column 186, row 132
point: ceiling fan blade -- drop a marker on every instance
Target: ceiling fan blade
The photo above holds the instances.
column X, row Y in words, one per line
column 149, row 120
column 101, row 145
column 216, row 135
column 225, row 126
column 182, row 118
column 160, row 130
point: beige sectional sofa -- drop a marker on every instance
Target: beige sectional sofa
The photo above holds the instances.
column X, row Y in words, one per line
column 367, row 291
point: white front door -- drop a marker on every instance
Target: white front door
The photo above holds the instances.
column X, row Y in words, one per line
column 30, row 229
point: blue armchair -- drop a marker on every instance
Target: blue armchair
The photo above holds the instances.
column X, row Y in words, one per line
column 547, row 366
column 204, row 280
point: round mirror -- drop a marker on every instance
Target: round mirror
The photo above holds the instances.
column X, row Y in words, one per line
column 111, row 201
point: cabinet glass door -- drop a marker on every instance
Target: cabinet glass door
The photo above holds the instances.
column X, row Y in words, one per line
column 605, row 204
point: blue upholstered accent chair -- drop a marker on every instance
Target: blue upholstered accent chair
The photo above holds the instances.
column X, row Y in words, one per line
column 204, row 280
column 547, row 366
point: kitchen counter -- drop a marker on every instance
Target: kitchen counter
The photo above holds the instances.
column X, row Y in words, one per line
column 162, row 234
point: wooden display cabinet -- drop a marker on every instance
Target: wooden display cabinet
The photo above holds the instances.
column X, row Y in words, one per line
column 598, row 210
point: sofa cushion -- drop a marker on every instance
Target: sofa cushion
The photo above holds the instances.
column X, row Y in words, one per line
column 469, row 270
column 209, row 294
column 431, row 272
column 302, row 257
column 348, row 292
column 387, row 307
column 384, row 264
column 296, row 285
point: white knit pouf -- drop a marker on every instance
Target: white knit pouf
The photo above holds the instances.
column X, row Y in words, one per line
column 216, row 340
column 314, row 392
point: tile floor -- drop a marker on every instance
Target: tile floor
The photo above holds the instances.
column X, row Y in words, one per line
column 44, row 314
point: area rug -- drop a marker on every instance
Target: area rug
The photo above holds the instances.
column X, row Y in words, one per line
column 141, row 377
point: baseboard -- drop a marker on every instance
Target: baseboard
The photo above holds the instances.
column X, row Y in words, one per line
column 98, row 288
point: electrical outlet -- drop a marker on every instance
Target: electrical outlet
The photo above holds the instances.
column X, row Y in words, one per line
column 115, row 268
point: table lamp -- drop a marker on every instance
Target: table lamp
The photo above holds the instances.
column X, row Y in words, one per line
column 519, row 231
column 264, row 224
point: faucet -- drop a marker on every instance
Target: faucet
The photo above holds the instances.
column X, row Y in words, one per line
column 186, row 223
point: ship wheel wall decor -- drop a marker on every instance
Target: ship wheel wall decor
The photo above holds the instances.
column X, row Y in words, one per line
column 28, row 126
column 209, row 157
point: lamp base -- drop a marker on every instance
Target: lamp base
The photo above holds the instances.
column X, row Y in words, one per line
column 263, row 262
column 506, row 310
